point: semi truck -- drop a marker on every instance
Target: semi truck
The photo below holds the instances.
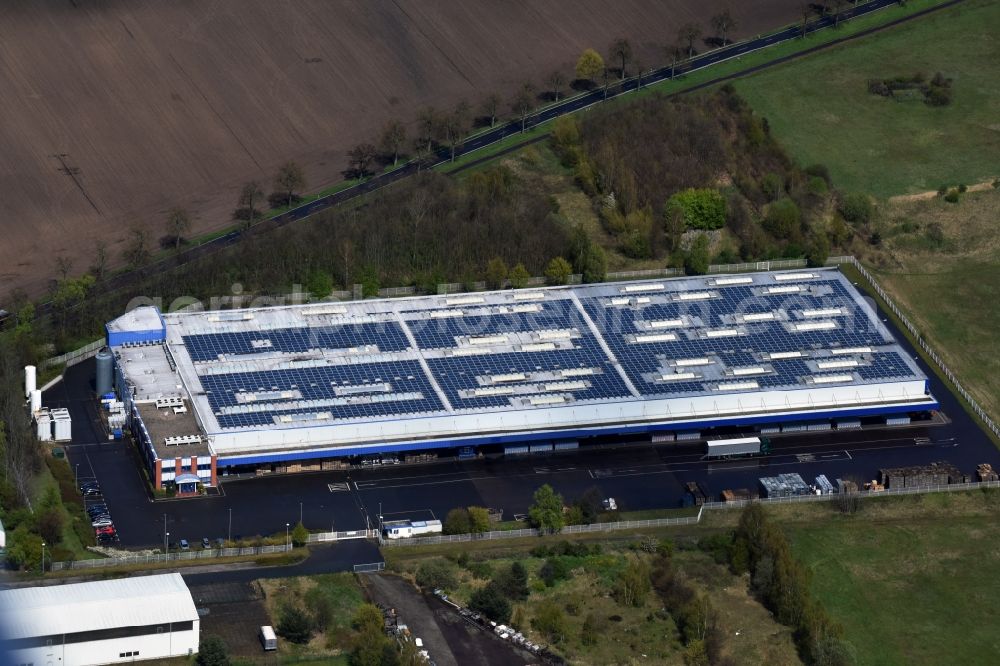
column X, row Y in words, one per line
column 737, row 447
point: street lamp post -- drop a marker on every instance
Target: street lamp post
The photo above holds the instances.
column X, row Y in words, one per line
column 165, row 533
column 286, row 536
column 43, row 558
column 76, row 475
column 166, row 549
column 300, row 513
column 230, row 535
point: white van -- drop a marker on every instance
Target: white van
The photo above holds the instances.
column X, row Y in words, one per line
column 267, row 638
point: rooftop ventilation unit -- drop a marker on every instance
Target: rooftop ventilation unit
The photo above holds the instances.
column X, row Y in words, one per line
column 738, row 386
column 722, row 282
column 464, row 300
column 793, row 289
column 787, row 277
column 638, row 288
column 655, row 337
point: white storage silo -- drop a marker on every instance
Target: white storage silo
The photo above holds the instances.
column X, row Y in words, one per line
column 36, row 400
column 30, row 377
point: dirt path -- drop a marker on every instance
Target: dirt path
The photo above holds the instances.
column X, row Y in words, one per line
column 449, row 639
column 930, row 194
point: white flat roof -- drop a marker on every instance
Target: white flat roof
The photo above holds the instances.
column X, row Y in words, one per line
column 107, row 604
column 322, row 378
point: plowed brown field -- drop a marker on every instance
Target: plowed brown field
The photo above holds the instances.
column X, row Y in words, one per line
column 113, row 112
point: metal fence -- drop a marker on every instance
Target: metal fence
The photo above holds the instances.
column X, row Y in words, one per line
column 532, row 532
column 168, row 557
column 323, row 537
column 369, row 568
column 976, row 408
column 687, row 520
column 75, row 356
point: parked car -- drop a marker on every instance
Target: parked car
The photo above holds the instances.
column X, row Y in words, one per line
column 103, row 521
column 205, row 543
column 185, row 545
column 107, row 529
column 107, row 538
column 91, row 492
column 97, row 510
column 88, row 484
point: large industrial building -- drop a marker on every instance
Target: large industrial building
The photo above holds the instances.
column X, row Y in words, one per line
column 514, row 370
column 102, row 622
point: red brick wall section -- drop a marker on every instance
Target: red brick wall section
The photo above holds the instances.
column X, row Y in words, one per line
column 158, row 475
column 214, row 477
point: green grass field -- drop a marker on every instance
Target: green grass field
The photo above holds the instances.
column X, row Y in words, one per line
column 819, row 107
column 950, row 291
column 913, row 581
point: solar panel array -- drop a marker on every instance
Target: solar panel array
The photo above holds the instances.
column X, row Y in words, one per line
column 590, row 344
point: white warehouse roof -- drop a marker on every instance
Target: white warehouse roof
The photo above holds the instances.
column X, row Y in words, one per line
column 569, row 361
column 66, row 609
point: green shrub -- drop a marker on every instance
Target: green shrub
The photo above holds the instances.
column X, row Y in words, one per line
column 554, row 570
column 857, row 208
column 696, row 259
column 491, row 602
column 436, row 573
column 952, row 196
column 817, row 186
column 772, row 186
column 962, row 188
column 294, row 625
column 942, row 190
column 819, row 171
column 783, row 219
column 703, row 208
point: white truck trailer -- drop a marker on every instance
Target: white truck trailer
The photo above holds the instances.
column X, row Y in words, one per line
column 728, row 448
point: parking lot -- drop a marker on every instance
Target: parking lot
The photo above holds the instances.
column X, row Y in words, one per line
column 639, row 475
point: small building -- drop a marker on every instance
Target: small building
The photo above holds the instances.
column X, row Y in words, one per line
column 101, row 622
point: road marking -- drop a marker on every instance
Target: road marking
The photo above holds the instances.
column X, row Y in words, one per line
column 848, row 454
column 339, row 487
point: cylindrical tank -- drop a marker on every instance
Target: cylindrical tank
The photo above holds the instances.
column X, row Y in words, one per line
column 29, row 380
column 105, row 371
column 36, row 400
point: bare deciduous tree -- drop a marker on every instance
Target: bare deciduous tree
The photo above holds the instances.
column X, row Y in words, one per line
column 178, row 224
column 362, row 156
column 392, row 140
column 687, row 34
column 100, row 265
column 491, row 108
column 455, row 126
column 722, row 23
column 246, row 210
column 621, row 50
column 136, row 251
column 556, row 80
column 427, row 122
column 523, row 103
column 290, row 177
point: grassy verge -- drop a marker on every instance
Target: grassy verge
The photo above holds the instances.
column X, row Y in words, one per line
column 821, row 109
column 937, row 259
column 337, row 597
column 891, row 576
column 272, row 559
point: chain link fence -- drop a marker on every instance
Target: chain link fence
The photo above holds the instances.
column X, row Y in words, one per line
column 155, row 558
